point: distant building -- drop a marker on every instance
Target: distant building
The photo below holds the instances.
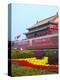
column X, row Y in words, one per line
column 43, row 34
column 41, row 28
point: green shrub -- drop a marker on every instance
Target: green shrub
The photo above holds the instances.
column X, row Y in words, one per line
column 52, row 56
column 22, row 54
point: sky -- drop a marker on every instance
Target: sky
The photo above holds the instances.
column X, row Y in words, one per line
column 24, row 16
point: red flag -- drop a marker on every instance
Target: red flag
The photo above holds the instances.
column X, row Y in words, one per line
column 17, row 37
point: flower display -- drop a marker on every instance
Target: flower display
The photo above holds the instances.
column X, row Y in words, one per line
column 35, row 63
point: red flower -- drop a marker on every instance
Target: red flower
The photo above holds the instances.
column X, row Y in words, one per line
column 26, row 63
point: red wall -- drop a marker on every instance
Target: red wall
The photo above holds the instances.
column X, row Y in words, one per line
column 39, row 43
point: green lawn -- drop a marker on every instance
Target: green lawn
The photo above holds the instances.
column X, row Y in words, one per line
column 27, row 71
column 23, row 51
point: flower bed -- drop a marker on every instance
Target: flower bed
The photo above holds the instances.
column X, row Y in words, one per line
column 36, row 61
column 28, row 64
